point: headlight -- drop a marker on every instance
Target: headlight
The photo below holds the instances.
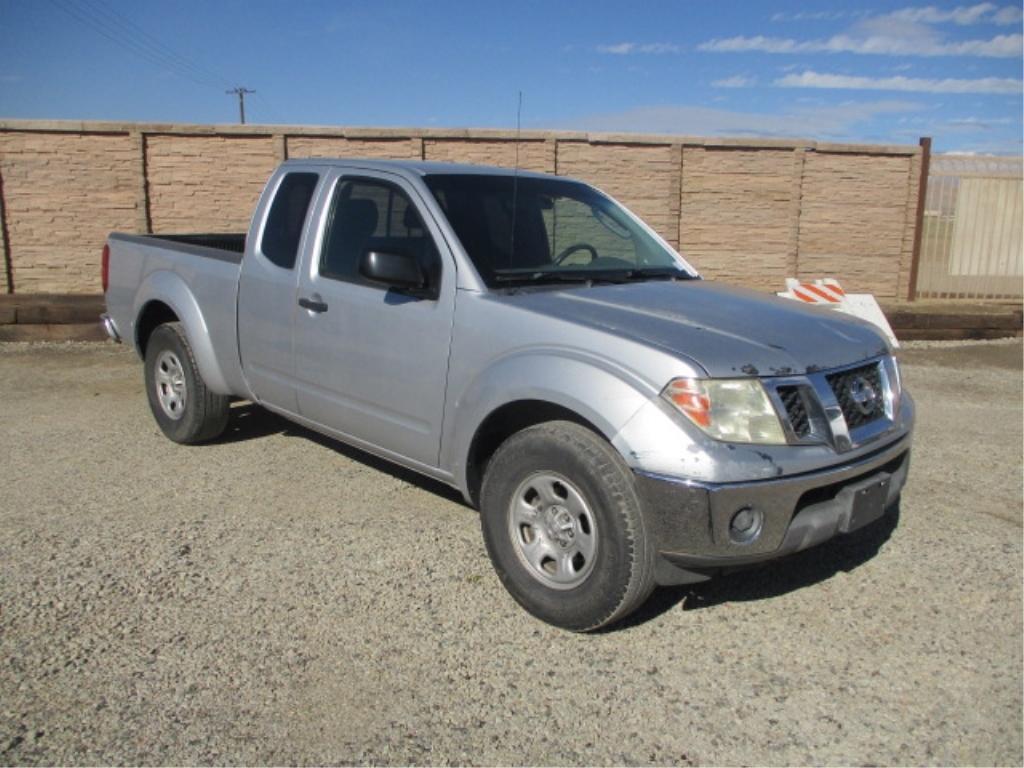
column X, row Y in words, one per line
column 732, row 410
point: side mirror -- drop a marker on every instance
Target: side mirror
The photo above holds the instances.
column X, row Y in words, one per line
column 396, row 270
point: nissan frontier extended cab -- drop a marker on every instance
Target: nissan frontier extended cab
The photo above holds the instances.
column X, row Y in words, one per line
column 619, row 422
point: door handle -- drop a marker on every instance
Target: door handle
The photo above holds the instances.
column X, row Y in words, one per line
column 313, row 305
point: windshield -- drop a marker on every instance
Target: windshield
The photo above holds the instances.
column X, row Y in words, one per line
column 564, row 231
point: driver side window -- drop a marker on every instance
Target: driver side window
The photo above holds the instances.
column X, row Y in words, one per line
column 373, row 215
column 570, row 222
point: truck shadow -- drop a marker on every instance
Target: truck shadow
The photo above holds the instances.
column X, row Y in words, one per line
column 763, row 582
column 251, row 422
column 774, row 578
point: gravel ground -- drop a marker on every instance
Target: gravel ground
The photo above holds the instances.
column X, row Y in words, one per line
column 276, row 598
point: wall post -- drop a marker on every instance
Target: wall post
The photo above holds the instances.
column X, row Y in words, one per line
column 143, row 222
column 5, row 235
column 675, row 203
column 280, row 147
column 922, row 193
column 796, row 206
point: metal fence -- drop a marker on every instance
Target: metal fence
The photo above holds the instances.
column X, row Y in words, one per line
column 971, row 241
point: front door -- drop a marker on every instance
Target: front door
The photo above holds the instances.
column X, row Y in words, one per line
column 372, row 363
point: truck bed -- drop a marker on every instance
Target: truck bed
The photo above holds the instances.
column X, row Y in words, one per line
column 233, row 242
column 197, row 276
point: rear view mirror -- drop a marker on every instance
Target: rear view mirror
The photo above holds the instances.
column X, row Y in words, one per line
column 609, row 223
column 395, row 270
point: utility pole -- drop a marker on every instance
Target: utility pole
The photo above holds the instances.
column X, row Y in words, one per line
column 240, row 91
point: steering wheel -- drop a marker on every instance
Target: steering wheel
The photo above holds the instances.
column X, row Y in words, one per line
column 567, row 252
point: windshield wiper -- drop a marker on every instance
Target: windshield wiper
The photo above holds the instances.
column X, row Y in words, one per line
column 673, row 273
column 547, row 275
column 576, row 275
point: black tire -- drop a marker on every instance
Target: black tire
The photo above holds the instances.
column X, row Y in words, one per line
column 621, row 575
column 199, row 415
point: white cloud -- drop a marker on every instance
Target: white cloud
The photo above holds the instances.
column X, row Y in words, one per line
column 811, row 79
column 963, row 15
column 908, row 31
column 873, row 121
column 1008, row 15
column 736, row 81
column 623, row 49
column 1000, row 46
column 756, row 43
column 819, row 15
column 618, row 48
column 978, row 122
column 826, row 121
column 658, row 48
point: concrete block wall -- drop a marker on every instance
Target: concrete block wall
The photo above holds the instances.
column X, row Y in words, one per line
column 745, row 211
column 739, row 211
column 205, row 183
column 642, row 177
column 853, row 218
column 63, row 194
column 339, row 146
column 533, row 155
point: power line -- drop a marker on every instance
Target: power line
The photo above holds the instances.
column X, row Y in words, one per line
column 130, row 45
column 270, row 109
column 135, row 40
column 125, row 33
column 124, row 23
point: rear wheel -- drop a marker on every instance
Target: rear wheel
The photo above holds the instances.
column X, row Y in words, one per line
column 564, row 529
column 186, row 410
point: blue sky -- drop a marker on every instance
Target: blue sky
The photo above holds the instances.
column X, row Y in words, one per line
column 876, row 72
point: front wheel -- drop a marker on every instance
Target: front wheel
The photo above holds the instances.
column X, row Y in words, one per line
column 186, row 410
column 564, row 529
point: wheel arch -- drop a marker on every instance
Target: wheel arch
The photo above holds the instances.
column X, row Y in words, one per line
column 530, row 386
column 154, row 314
column 505, row 421
column 165, row 297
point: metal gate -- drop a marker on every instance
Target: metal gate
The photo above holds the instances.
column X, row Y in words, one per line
column 971, row 240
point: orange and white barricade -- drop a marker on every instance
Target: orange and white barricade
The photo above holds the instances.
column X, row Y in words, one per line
column 828, row 292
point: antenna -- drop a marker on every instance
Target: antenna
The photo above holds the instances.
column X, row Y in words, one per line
column 519, row 125
column 515, row 184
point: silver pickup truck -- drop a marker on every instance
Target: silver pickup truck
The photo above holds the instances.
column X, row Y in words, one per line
column 619, row 422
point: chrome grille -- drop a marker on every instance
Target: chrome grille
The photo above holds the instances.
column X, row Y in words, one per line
column 796, row 410
column 860, row 394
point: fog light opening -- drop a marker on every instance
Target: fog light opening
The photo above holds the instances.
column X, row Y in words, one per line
column 746, row 525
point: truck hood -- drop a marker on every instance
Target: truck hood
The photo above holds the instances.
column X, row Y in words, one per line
column 727, row 331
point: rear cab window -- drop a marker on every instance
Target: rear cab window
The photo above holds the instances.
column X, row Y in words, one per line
column 287, row 218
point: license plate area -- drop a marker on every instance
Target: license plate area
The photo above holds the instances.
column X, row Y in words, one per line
column 867, row 501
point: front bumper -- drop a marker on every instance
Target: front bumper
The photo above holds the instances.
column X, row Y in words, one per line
column 691, row 521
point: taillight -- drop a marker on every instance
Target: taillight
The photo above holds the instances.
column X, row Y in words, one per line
column 105, row 268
